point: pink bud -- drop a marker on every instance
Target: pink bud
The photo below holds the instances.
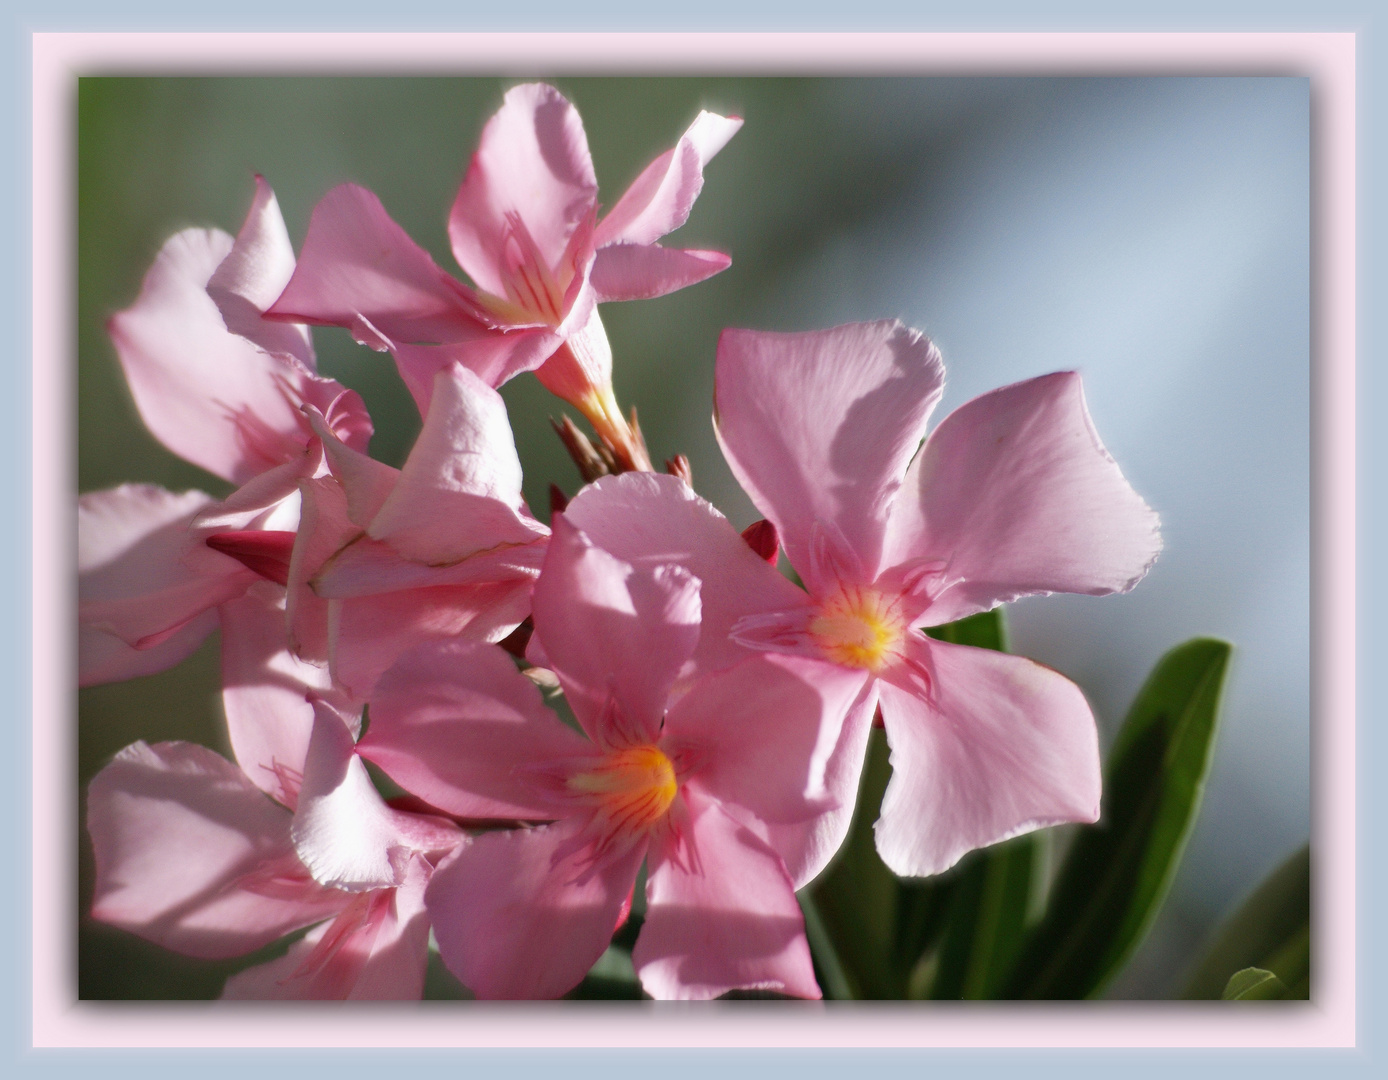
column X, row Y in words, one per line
column 761, row 537
column 265, row 552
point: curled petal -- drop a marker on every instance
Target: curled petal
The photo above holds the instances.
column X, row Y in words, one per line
column 997, row 746
column 460, row 490
column 253, row 275
column 366, row 483
column 1015, row 494
column 343, row 831
column 264, row 691
column 659, row 200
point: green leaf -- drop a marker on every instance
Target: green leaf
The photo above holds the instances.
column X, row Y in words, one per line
column 1118, row 871
column 986, row 630
column 1254, row 984
column 1271, row 930
column 857, row 896
column 987, row 920
column 829, row 971
column 878, row 926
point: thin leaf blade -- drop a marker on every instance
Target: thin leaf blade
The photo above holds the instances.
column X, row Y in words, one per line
column 1118, row 871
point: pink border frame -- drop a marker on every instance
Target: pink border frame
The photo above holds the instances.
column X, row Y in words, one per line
column 1327, row 59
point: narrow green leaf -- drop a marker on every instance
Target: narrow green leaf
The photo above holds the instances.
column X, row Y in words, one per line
column 1254, row 984
column 1270, row 930
column 986, row 630
column 834, row 981
column 987, row 920
column 1118, row 871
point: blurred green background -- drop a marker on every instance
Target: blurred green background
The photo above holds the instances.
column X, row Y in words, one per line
column 1124, row 226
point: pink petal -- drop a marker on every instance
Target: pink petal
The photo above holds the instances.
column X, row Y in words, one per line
column 192, row 856
column 998, row 746
column 659, row 200
column 357, row 263
column 460, row 490
column 324, row 528
column 103, row 657
column 728, row 922
column 377, row 950
column 819, row 428
column 1017, row 495
column 767, row 740
column 264, row 691
column 127, row 538
column 616, row 635
column 253, row 275
column 143, row 575
column 211, row 397
column 267, row 501
column 532, row 162
column 366, row 482
column 650, row 519
column 368, row 634
column 367, row 567
column 519, row 915
column 343, row 831
column 642, row 271
column 454, row 721
column 495, row 358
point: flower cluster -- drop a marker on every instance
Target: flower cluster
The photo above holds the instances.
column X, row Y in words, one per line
column 722, row 710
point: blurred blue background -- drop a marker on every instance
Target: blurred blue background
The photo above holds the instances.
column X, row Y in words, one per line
column 1151, row 233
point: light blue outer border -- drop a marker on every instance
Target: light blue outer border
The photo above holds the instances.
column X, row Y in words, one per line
column 26, row 16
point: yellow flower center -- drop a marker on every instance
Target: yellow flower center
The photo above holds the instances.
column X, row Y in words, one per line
column 634, row 787
column 858, row 627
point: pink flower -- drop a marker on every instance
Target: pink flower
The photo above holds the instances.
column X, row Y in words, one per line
column 228, row 400
column 524, row 228
column 192, row 856
column 1012, row 494
column 707, row 782
column 390, row 558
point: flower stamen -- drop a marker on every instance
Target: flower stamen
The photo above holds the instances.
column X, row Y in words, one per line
column 632, row 788
column 859, row 627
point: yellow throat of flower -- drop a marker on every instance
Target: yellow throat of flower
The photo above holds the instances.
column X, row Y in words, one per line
column 634, row 787
column 858, row 627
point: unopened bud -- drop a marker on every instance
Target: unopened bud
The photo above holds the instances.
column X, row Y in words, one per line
column 762, row 537
column 264, row 551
